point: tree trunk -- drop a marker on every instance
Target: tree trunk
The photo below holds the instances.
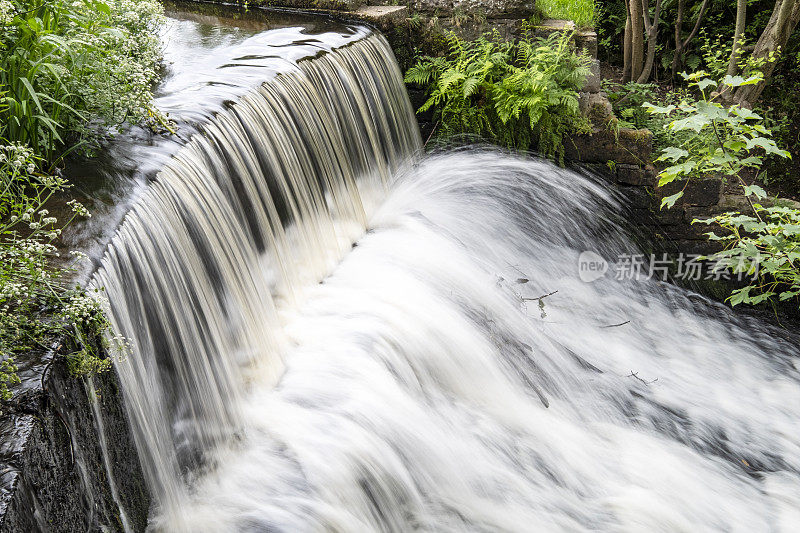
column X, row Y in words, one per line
column 741, row 14
column 678, row 40
column 652, row 38
column 738, row 34
column 783, row 21
column 680, row 46
column 637, row 39
column 626, row 46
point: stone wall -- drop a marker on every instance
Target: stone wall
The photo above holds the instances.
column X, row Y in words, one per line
column 67, row 457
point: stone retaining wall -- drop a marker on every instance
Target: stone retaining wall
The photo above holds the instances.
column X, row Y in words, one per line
column 67, row 457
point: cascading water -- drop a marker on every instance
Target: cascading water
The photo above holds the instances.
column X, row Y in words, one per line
column 283, row 378
column 267, row 200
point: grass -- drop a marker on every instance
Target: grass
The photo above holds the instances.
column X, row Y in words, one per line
column 580, row 11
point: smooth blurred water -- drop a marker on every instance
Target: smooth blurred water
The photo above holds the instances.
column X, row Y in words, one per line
column 334, row 332
column 421, row 393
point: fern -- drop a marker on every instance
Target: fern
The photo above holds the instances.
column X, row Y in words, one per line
column 513, row 94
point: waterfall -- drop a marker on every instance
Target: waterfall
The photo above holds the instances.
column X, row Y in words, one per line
column 331, row 332
column 267, row 199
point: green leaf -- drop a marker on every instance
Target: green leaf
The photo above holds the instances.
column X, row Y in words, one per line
column 102, row 7
column 669, row 201
column 670, row 173
column 755, row 189
column 738, row 81
column 673, row 154
column 746, row 113
column 712, row 110
column 694, row 122
column 789, row 294
column 706, row 83
column 735, row 145
column 657, row 110
column 32, row 92
column 694, row 75
column 768, row 145
column 760, row 298
column 739, row 295
column 752, row 161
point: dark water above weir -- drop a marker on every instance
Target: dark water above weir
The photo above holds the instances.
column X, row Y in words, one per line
column 333, row 332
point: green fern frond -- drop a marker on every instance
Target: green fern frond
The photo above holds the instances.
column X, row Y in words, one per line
column 513, row 94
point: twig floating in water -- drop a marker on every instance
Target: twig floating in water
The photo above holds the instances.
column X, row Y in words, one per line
column 617, row 325
column 636, row 375
column 540, row 298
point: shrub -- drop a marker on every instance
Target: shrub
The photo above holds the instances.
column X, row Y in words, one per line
column 719, row 140
column 628, row 102
column 513, row 94
column 65, row 63
column 70, row 72
column 36, row 305
column 726, row 141
column 765, row 246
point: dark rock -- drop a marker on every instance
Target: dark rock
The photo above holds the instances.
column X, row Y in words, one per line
column 596, row 107
column 548, row 26
column 631, row 174
column 382, row 15
column 671, row 217
column 698, row 192
column 632, row 147
column 53, row 473
column 587, row 40
column 594, row 78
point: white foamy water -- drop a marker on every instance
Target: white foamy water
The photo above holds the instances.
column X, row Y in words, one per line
column 414, row 376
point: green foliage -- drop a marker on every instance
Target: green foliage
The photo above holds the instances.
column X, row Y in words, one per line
column 89, row 326
column 610, row 19
column 628, row 102
column 582, row 12
column 36, row 304
column 510, row 93
column 780, row 106
column 719, row 140
column 63, row 63
column 727, row 141
column 765, row 247
column 716, row 53
column 716, row 31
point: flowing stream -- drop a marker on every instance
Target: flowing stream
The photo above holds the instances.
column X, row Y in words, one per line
column 330, row 331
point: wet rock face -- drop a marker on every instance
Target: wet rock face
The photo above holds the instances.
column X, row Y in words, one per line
column 54, row 469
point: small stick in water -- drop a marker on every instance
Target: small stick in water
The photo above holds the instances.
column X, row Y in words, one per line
column 636, row 375
column 617, row 325
column 539, row 298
